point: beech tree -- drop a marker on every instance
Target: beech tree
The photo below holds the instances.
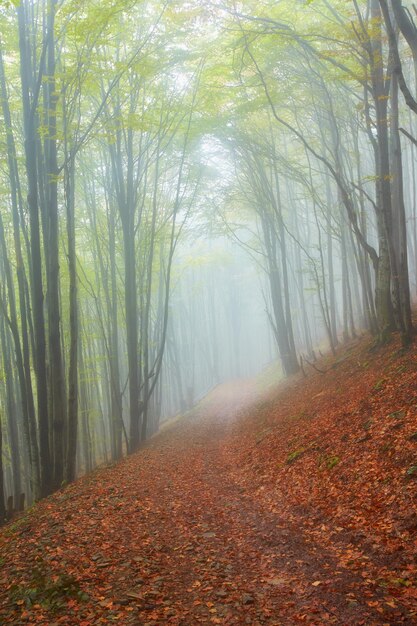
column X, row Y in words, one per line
column 189, row 192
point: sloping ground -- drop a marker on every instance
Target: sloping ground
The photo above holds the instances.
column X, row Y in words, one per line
column 296, row 506
column 337, row 455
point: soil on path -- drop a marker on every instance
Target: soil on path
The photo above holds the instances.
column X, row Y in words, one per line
column 172, row 535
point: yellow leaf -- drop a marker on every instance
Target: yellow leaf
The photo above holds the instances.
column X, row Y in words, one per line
column 391, row 604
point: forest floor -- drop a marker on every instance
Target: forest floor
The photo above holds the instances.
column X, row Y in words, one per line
column 294, row 504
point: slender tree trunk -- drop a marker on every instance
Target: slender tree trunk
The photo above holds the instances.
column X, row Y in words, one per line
column 72, row 435
column 29, row 119
column 53, row 265
column 116, row 396
column 2, row 494
column 132, row 332
column 11, row 405
column 399, row 217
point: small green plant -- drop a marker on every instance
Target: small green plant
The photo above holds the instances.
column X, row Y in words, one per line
column 293, row 456
column 412, row 471
column 50, row 593
column 329, row 461
column 397, row 415
column 400, row 582
column 332, row 461
column 13, row 526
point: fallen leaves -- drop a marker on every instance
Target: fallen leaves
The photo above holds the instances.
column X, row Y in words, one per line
column 212, row 523
column 277, row 581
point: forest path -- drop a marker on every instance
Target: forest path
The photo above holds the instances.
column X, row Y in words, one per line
column 169, row 536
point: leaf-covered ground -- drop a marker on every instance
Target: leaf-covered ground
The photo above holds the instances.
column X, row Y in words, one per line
column 296, row 505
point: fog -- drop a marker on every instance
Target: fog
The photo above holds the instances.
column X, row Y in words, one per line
column 218, row 327
column 191, row 194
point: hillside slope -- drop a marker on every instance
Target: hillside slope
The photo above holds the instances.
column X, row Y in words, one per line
column 295, row 505
column 337, row 453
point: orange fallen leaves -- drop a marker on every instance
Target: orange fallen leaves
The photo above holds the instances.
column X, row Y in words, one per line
column 300, row 507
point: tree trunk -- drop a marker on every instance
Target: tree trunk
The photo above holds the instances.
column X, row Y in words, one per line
column 399, row 217
column 72, row 434
column 29, row 119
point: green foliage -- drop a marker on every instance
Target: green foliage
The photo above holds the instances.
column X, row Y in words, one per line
column 50, row 593
column 11, row 528
column 400, row 582
column 397, row 415
column 379, row 384
column 295, row 455
column 9, row 3
column 328, row 461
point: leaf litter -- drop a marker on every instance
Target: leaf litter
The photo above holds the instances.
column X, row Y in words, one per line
column 211, row 523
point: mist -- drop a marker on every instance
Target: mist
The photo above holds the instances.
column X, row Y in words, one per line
column 200, row 202
column 175, row 220
column 208, row 275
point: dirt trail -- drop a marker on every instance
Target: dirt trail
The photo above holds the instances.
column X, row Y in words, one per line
column 169, row 536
